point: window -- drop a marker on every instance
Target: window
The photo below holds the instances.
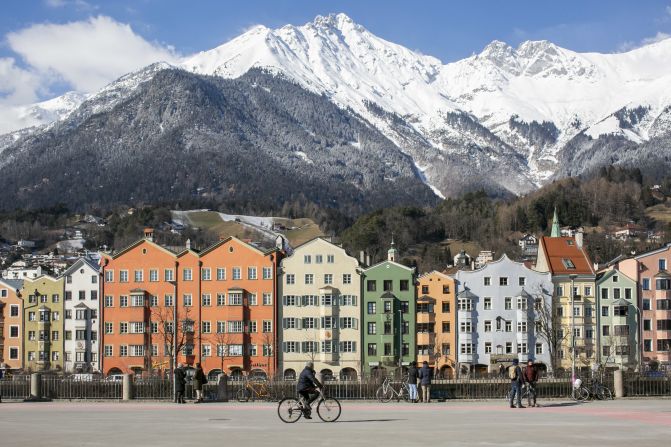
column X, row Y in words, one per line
column 387, row 307
column 347, row 278
column 577, row 332
column 488, row 326
column 509, row 347
column 466, row 326
column 387, row 285
column 647, row 345
column 348, row 300
column 328, row 278
column 309, row 300
column 309, row 278
column 137, row 300
column 307, row 259
column 620, row 311
column 235, row 298
column 647, row 325
column 138, row 276
column 235, row 327
column 405, row 285
column 371, row 307
column 662, row 264
column 267, row 299
column 327, row 300
column 330, row 259
column 522, row 348
column 80, row 334
column 347, row 346
column 509, row 326
column 604, row 311
column 576, row 311
column 588, row 310
column 539, row 348
column 167, row 300
column 123, row 276
column 169, row 275
column 267, row 273
column 153, row 275
column 13, row 353
column 446, row 326
column 588, row 290
column 187, row 300
column 309, row 346
column 68, row 295
column 267, row 350
column 109, row 275
column 604, row 294
column 371, row 285
column 404, row 307
column 267, row 326
column 387, row 328
column 568, row 264
column 560, row 290
column 291, row 300
column 329, row 322
column 251, row 326
column 206, row 327
column 646, row 284
column 465, row 304
column 487, row 281
column 467, row 348
column 291, row 278
column 522, row 281
column 221, row 274
column 251, row 299
column 446, row 307
column 221, row 327
column 503, row 281
column 14, row 331
column 123, row 351
column 627, row 293
column 348, row 323
column 14, row 310
column 487, row 303
column 521, row 303
column 123, row 301
column 206, row 274
column 446, row 289
column 319, row 259
column 372, row 349
column 589, row 333
column 522, row 327
column 187, row 274
column 508, row 303
column 80, row 314
column 623, row 329
column 82, row 295
column 646, row 304
column 372, row 328
column 309, row 323
column 251, row 273
column 663, row 345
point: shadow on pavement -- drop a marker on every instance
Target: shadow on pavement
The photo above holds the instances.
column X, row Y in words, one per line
column 372, row 420
column 560, row 404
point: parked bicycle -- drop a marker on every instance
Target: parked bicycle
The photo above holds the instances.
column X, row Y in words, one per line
column 291, row 409
column 255, row 390
column 386, row 392
column 596, row 390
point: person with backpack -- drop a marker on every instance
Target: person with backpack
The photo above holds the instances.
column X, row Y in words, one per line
column 516, row 380
column 530, row 378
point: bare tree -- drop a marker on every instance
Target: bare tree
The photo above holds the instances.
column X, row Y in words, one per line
column 548, row 325
column 223, row 340
column 170, row 338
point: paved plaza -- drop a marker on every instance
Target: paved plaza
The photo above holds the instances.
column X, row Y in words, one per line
column 456, row 423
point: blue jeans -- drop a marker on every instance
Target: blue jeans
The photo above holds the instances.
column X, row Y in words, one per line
column 412, row 390
column 516, row 390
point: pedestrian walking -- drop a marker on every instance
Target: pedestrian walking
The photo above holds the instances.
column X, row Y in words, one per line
column 180, row 383
column 502, row 370
column 530, row 378
column 199, row 380
column 412, row 382
column 516, row 380
column 425, row 381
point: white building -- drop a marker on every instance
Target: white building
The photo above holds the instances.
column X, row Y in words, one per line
column 496, row 315
column 483, row 258
column 81, row 322
column 21, row 270
column 320, row 311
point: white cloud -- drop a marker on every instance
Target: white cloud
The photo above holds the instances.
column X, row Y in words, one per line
column 629, row 45
column 84, row 55
column 80, row 5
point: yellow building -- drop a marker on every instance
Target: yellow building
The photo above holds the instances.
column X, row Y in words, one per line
column 43, row 323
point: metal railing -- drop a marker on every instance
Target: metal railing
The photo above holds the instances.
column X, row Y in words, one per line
column 16, row 387
column 56, row 387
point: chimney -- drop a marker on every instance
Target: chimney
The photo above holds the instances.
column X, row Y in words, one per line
column 149, row 234
column 578, row 237
column 188, row 244
column 367, row 260
column 362, row 257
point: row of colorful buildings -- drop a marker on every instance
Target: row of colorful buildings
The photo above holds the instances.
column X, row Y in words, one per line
column 240, row 309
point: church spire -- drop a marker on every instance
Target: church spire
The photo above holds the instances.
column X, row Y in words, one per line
column 555, row 225
column 392, row 253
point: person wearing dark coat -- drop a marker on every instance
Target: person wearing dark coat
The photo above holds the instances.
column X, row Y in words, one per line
column 180, row 383
column 199, row 380
column 412, row 382
column 425, row 381
column 516, row 381
column 530, row 378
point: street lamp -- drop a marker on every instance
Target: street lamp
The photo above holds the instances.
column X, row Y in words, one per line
column 573, row 277
column 400, row 340
column 639, row 336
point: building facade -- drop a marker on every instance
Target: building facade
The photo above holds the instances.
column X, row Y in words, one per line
column 81, row 322
column 320, row 311
column 436, row 322
column 43, row 323
column 389, row 333
column 618, row 320
column 11, row 324
column 498, row 307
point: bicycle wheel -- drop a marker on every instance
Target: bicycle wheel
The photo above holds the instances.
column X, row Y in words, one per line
column 604, row 393
column 329, row 409
column 384, row 396
column 242, row 395
column 289, row 410
column 403, row 395
column 579, row 394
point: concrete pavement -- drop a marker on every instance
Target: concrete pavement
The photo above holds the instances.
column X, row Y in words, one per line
column 456, row 423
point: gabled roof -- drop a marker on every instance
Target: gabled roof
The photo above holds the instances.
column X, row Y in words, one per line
column 466, row 293
column 437, row 273
column 386, row 261
column 426, row 299
column 80, row 305
column 240, row 241
column 562, row 253
column 138, row 243
column 653, row 251
column 79, row 262
column 16, row 284
column 388, row 296
column 663, row 274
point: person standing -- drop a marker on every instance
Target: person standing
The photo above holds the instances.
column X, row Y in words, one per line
column 412, row 382
column 530, row 378
column 199, row 380
column 515, row 375
column 180, row 383
column 425, row 381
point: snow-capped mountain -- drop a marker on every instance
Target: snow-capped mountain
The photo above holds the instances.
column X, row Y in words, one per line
column 502, row 118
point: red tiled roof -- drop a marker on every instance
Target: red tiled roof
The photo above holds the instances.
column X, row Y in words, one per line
column 561, row 252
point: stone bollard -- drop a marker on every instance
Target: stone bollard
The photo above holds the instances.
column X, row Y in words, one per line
column 36, row 386
column 127, row 387
column 618, row 383
column 222, row 388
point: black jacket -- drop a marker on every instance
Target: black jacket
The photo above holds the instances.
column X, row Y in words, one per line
column 412, row 375
column 425, row 375
column 199, row 379
column 180, row 379
column 307, row 380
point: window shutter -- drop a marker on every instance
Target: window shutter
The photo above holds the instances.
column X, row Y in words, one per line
column 284, row 347
column 316, row 320
column 355, row 323
column 342, row 322
column 284, row 325
column 298, row 323
column 353, row 300
column 303, row 300
column 353, row 346
column 322, row 321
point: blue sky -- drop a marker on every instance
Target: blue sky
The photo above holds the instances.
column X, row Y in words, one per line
column 50, row 46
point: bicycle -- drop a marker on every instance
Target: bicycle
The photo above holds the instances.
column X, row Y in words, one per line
column 255, row 390
column 386, row 392
column 579, row 392
column 291, row 409
column 600, row 391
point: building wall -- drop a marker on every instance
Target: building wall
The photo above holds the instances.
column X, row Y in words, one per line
column 48, row 301
column 512, row 289
column 442, row 340
column 616, row 348
column 82, row 293
column 11, row 317
column 229, row 255
column 297, row 332
column 377, row 274
column 585, row 319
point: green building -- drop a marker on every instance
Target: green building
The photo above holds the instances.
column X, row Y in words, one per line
column 618, row 320
column 388, row 306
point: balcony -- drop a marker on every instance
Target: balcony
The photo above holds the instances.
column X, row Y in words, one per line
column 662, row 294
column 426, row 317
column 389, row 360
column 426, row 338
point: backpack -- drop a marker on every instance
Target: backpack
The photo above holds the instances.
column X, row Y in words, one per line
column 512, row 372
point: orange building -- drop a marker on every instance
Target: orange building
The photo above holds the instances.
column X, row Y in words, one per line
column 216, row 297
column 11, row 330
column 436, row 322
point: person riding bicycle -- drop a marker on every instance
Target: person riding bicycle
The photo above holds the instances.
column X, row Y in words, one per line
column 306, row 387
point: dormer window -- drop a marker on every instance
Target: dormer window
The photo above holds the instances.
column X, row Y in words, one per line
column 569, row 241
column 568, row 264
